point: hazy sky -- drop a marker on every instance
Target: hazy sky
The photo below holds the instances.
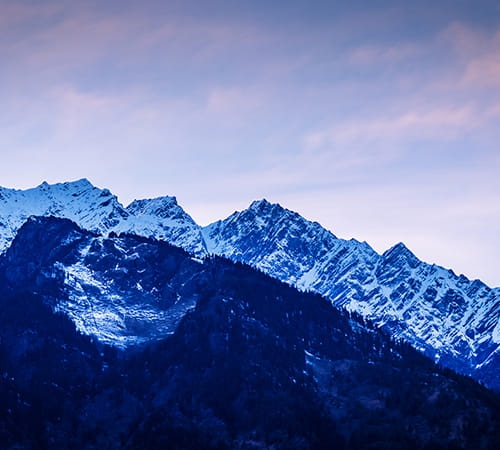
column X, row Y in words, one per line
column 379, row 119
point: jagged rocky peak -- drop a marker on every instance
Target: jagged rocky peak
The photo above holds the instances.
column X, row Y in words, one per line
column 162, row 218
column 91, row 207
column 265, row 208
column 260, row 211
column 263, row 205
column 73, row 188
column 80, row 184
column 273, row 213
column 165, row 207
column 262, row 214
column 153, row 204
column 401, row 253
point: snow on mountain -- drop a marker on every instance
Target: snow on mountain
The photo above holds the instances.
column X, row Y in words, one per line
column 121, row 290
column 448, row 317
column 104, row 303
column 162, row 218
column 284, row 244
column 91, row 208
column 114, row 315
column 100, row 211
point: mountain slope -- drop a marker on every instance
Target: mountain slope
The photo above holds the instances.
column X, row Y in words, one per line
column 253, row 364
column 123, row 291
column 450, row 318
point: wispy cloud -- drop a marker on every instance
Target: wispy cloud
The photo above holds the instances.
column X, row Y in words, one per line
column 485, row 70
column 234, row 100
column 365, row 141
column 373, row 54
column 478, row 54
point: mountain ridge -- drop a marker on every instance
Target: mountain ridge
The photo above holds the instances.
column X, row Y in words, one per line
column 451, row 319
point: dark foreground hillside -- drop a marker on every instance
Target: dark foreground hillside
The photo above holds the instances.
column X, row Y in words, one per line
column 256, row 364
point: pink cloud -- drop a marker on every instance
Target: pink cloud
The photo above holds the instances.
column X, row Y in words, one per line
column 75, row 108
column 15, row 14
column 465, row 40
column 234, row 100
column 376, row 54
column 484, row 71
column 76, row 41
column 478, row 54
column 445, row 123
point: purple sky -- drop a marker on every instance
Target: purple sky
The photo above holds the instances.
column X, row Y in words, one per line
column 379, row 119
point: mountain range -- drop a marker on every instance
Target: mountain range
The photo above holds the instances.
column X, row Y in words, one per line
column 125, row 342
column 453, row 320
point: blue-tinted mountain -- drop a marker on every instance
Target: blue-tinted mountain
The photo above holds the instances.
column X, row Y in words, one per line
column 453, row 320
column 100, row 211
column 122, row 291
column 231, row 359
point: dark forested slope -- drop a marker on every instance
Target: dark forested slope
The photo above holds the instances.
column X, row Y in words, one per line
column 253, row 363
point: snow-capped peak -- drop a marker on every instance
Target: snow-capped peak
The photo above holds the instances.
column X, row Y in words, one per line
column 401, row 252
column 260, row 205
column 163, row 207
column 92, row 208
column 450, row 318
column 162, row 218
column 100, row 211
